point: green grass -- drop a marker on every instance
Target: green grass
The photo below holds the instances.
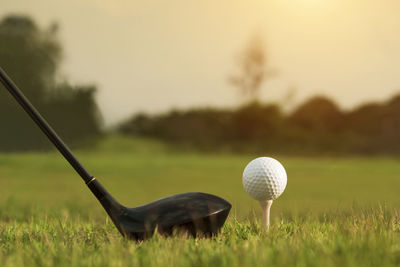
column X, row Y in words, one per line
column 334, row 212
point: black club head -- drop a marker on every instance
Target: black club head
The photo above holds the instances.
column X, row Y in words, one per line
column 197, row 214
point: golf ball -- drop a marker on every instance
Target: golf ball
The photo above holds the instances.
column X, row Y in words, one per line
column 264, row 178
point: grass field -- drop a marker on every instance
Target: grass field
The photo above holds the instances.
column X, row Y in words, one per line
column 334, row 212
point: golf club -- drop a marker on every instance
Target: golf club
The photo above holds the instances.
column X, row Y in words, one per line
column 197, row 214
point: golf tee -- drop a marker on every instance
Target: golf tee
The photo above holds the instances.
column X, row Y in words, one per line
column 266, row 207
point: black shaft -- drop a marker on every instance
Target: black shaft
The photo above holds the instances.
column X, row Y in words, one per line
column 43, row 125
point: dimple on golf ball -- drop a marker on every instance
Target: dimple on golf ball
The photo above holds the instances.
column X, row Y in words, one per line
column 264, row 178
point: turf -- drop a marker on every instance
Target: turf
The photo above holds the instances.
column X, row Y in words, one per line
column 334, row 212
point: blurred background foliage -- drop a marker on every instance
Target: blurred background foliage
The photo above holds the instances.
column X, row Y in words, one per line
column 317, row 126
column 32, row 57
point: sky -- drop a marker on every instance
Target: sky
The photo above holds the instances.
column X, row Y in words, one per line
column 155, row 55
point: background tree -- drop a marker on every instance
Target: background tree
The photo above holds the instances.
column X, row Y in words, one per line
column 253, row 69
column 31, row 56
column 318, row 114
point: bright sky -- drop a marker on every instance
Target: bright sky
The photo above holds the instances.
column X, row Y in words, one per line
column 155, row 55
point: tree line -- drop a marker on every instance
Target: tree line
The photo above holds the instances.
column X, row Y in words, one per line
column 316, row 126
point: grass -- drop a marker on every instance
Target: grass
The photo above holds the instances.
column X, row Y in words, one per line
column 334, row 212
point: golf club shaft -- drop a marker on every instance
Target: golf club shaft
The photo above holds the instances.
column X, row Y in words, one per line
column 44, row 126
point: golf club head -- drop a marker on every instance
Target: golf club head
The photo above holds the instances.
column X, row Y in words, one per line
column 197, row 214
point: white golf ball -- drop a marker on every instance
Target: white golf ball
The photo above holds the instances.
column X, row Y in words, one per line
column 264, row 179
